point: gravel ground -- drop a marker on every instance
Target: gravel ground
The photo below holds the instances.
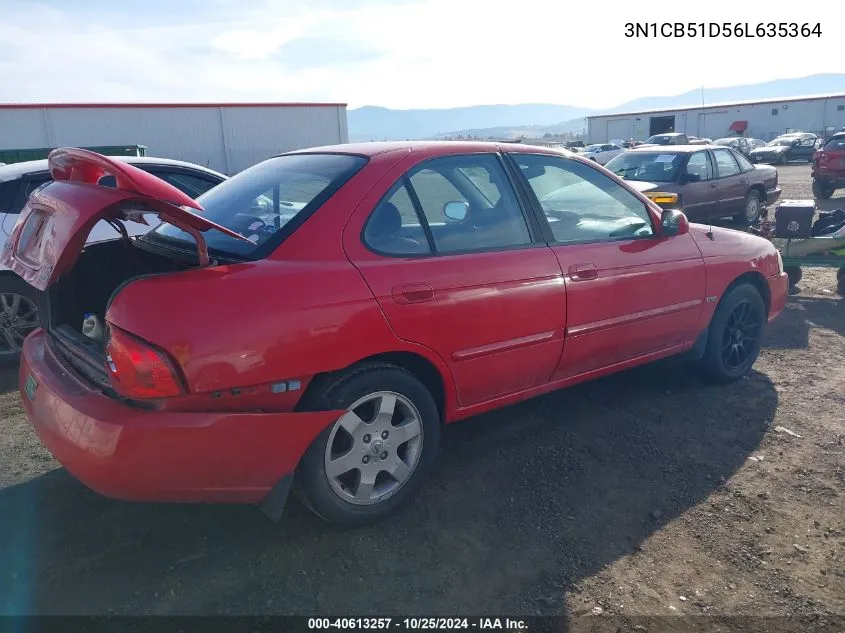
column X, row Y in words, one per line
column 645, row 493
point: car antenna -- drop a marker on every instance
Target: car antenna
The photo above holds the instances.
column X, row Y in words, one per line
column 709, row 233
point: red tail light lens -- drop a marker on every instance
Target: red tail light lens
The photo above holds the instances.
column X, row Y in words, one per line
column 137, row 370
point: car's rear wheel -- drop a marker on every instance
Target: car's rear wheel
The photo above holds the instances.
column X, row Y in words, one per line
column 374, row 458
column 18, row 316
column 751, row 208
column 840, row 281
column 823, row 190
column 735, row 335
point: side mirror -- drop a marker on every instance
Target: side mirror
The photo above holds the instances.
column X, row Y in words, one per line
column 687, row 177
column 673, row 222
column 456, row 211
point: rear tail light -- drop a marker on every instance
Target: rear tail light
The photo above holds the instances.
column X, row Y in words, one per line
column 137, row 370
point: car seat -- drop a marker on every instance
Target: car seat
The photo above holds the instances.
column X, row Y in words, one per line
column 382, row 231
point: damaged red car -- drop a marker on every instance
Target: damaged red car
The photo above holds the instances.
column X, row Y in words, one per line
column 313, row 322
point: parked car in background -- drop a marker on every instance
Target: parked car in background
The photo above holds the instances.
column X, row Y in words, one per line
column 18, row 301
column 601, row 152
column 710, row 183
column 670, row 138
column 789, row 147
column 694, row 140
column 736, row 143
column 828, row 171
column 418, row 284
column 754, row 143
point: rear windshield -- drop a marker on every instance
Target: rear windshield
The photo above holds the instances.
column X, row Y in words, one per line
column 649, row 167
column 835, row 143
column 260, row 201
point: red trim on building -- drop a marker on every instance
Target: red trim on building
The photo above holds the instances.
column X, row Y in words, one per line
column 739, row 126
column 25, row 106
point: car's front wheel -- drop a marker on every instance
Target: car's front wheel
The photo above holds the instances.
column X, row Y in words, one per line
column 375, row 456
column 18, row 316
column 735, row 335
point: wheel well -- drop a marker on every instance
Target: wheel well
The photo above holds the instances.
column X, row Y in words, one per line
column 418, row 365
column 760, row 189
column 758, row 281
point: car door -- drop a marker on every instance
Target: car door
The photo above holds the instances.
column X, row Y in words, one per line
column 804, row 149
column 631, row 293
column 731, row 184
column 698, row 188
column 450, row 256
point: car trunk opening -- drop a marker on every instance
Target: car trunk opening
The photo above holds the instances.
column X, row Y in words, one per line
column 47, row 248
column 100, row 272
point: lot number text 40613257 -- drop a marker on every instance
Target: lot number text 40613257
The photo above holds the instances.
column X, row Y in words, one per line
column 722, row 29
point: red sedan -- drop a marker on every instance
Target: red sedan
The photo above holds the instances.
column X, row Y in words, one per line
column 314, row 321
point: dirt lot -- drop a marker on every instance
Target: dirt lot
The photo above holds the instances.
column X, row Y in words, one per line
column 644, row 493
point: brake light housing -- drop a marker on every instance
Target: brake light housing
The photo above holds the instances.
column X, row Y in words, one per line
column 138, row 370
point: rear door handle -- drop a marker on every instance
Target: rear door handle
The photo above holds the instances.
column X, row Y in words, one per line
column 581, row 272
column 413, row 293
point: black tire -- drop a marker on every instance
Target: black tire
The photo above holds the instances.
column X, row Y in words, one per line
column 782, row 160
column 822, row 190
column 312, row 482
column 794, row 274
column 840, row 281
column 720, row 364
column 749, row 216
column 10, row 285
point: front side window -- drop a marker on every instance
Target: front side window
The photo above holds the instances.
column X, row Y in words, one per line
column 654, row 166
column 580, row 203
column 465, row 203
column 260, row 201
column 725, row 163
column 8, row 193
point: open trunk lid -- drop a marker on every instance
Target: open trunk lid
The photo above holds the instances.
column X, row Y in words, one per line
column 55, row 223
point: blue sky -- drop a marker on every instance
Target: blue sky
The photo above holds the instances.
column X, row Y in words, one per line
column 393, row 53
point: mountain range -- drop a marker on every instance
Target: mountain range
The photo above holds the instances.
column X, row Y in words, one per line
column 533, row 120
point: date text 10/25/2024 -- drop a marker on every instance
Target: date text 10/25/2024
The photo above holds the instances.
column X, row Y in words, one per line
column 419, row 624
column 722, row 29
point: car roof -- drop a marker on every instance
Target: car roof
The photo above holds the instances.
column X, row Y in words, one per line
column 670, row 134
column 16, row 170
column 429, row 148
column 668, row 149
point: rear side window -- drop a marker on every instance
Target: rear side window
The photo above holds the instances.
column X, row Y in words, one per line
column 189, row 184
column 725, row 163
column 449, row 205
column 8, row 191
column 267, row 201
column 744, row 163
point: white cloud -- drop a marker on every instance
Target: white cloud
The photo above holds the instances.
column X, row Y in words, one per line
column 429, row 53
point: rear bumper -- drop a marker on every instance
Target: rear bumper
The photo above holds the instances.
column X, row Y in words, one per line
column 778, row 292
column 834, row 178
column 142, row 455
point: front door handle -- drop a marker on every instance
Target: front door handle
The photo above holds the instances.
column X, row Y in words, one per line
column 581, row 272
column 413, row 293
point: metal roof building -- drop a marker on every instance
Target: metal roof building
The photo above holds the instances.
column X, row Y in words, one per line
column 763, row 119
column 227, row 137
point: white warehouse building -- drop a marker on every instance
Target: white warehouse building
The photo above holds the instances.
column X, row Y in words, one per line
column 227, row 137
column 764, row 119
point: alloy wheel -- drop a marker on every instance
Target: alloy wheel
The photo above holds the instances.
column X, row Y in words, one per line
column 740, row 335
column 373, row 448
column 18, row 317
column 752, row 208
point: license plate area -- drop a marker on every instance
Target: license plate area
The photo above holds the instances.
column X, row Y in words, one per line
column 30, row 387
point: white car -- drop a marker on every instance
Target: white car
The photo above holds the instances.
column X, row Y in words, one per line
column 601, row 153
column 18, row 300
